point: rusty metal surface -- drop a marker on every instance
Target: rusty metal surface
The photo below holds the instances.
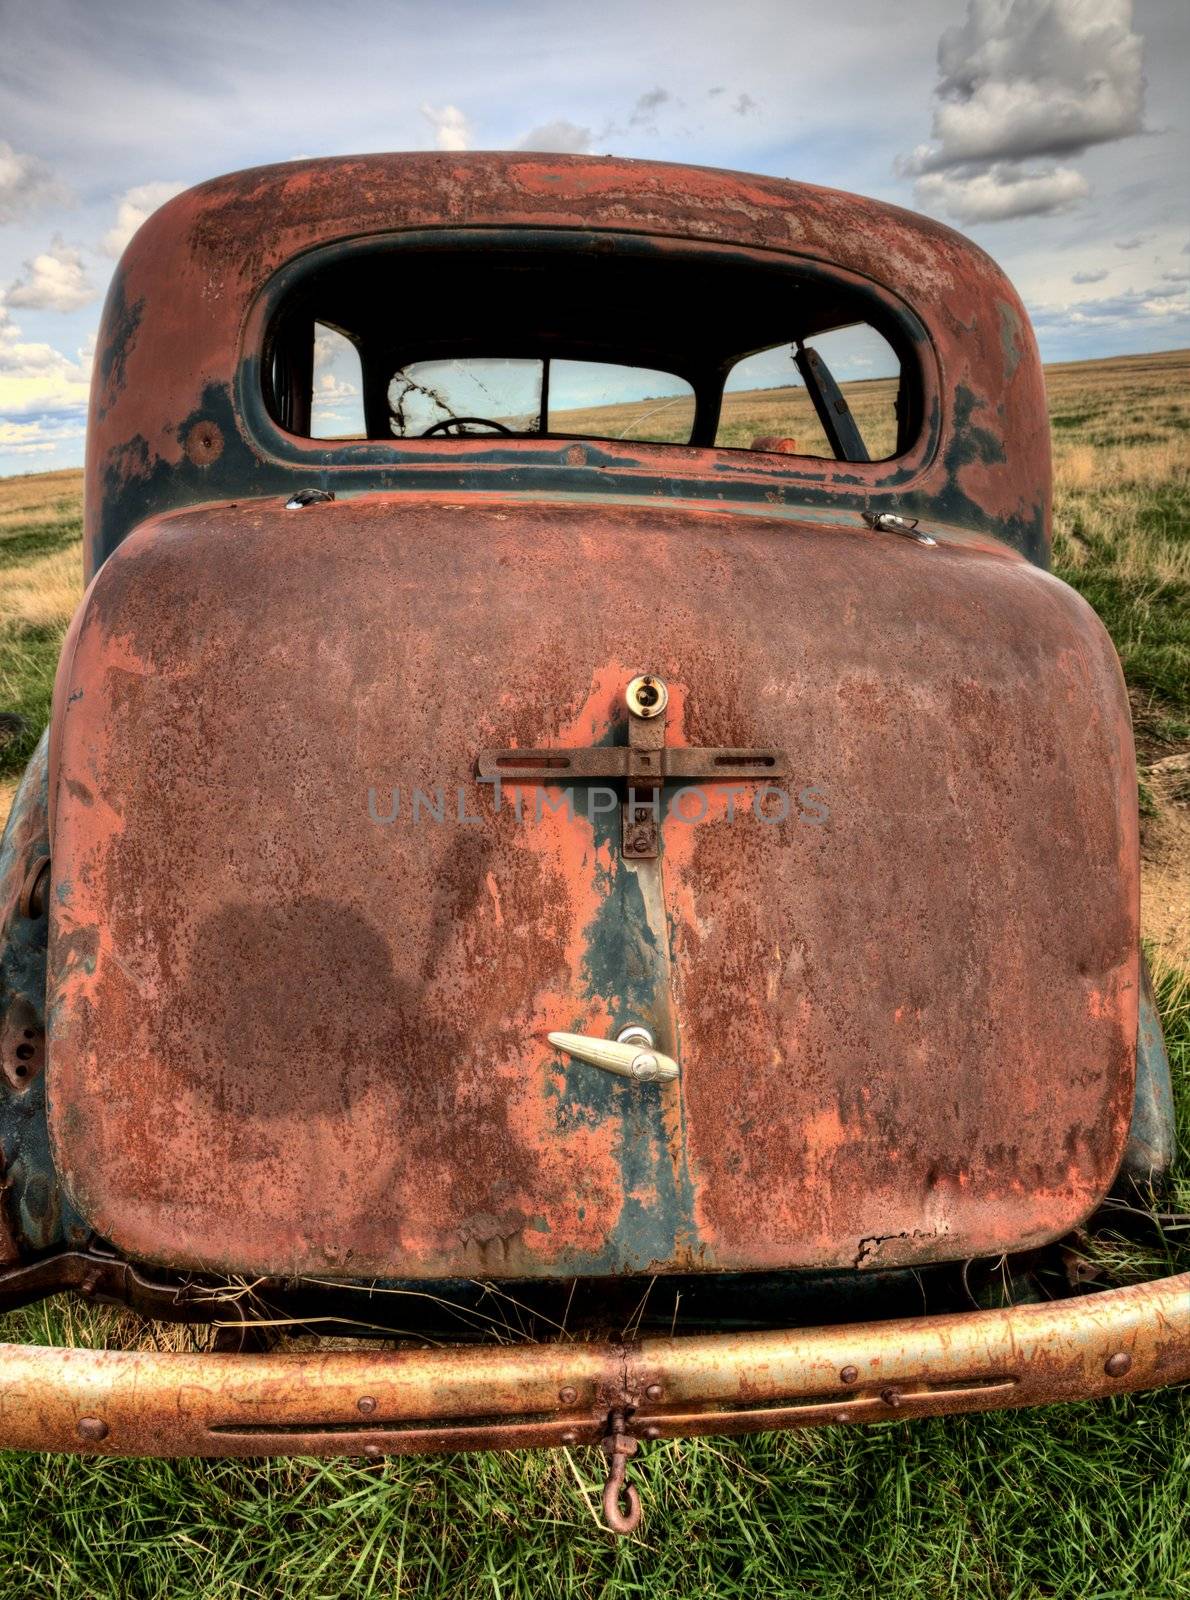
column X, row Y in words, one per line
column 180, row 343
column 612, row 761
column 32, row 1216
column 1152, row 1136
column 341, row 1403
column 287, row 1037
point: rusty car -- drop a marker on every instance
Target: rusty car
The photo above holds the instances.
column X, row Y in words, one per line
column 636, row 926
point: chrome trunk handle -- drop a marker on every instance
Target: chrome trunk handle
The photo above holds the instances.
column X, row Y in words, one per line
column 631, row 1055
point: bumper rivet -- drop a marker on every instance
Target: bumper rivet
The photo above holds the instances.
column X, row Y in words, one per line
column 372, row 1452
column 570, row 1436
column 568, row 1395
column 1116, row 1366
column 653, row 1392
column 93, row 1429
column 848, row 1375
column 366, row 1404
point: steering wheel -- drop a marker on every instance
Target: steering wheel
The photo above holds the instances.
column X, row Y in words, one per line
column 461, row 422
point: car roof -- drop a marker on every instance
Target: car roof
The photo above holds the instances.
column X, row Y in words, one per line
column 169, row 425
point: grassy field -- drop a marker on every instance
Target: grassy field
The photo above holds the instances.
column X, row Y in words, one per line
column 1079, row 1501
column 744, row 417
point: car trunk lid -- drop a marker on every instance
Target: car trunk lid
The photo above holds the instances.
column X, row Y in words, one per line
column 304, row 963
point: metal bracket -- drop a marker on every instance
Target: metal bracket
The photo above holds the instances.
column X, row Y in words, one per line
column 645, row 765
column 640, row 816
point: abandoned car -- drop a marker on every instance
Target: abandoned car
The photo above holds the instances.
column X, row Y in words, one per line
column 578, row 844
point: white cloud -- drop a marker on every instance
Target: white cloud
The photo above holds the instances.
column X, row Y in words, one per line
column 36, row 379
column 557, row 136
column 452, row 131
column 1003, row 190
column 1151, row 304
column 1097, row 276
column 132, row 208
column 55, row 280
column 1036, row 78
column 41, row 437
column 26, row 183
column 1022, row 81
column 329, row 389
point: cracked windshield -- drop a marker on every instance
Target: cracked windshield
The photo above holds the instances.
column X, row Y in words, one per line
column 586, row 399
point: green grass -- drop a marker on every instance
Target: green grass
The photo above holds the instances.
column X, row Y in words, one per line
column 1147, row 613
column 39, row 542
column 28, row 661
column 1075, row 1500
column 41, row 535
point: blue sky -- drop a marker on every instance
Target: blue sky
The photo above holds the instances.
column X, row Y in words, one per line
column 1052, row 131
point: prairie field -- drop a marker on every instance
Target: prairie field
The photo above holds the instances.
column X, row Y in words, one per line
column 1073, row 1502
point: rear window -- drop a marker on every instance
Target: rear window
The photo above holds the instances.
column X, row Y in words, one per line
column 511, row 395
column 594, row 338
column 766, row 397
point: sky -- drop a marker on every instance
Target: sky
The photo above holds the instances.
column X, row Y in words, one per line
column 1054, row 132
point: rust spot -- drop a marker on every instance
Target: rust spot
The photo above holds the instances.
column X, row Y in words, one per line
column 204, row 442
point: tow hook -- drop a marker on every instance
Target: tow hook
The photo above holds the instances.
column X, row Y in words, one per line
column 617, row 1446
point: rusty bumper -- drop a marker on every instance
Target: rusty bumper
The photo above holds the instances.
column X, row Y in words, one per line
column 492, row 1397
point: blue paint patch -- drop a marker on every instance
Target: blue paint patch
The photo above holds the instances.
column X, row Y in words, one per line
column 627, row 970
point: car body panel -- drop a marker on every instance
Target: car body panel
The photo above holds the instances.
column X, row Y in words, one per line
column 288, row 1035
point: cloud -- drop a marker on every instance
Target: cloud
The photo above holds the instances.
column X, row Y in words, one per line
column 452, row 131
column 132, row 208
column 1036, row 78
column 330, row 389
column 1023, row 81
column 743, row 105
column 646, row 107
column 1003, row 190
column 1089, row 277
column 27, row 183
column 557, row 136
column 1130, row 244
column 1151, row 305
column 56, row 280
column 38, row 380
column 41, row 436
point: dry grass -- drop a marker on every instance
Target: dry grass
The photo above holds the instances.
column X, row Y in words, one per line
column 1121, row 433
column 746, row 416
column 44, row 592
column 39, row 497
